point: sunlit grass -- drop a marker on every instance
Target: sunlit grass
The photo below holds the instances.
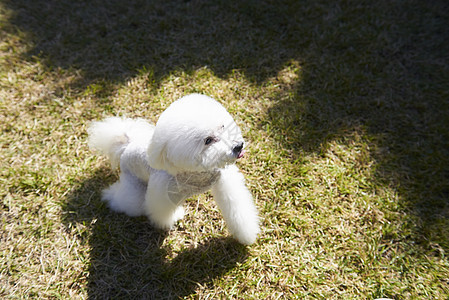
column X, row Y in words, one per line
column 343, row 106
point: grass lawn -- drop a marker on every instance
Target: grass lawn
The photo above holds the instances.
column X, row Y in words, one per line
column 344, row 104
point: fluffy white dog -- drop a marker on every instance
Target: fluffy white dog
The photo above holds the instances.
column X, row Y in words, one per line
column 192, row 149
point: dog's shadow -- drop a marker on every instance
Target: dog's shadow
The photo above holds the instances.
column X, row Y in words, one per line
column 127, row 257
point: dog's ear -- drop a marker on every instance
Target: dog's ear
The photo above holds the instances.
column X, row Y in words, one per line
column 158, row 157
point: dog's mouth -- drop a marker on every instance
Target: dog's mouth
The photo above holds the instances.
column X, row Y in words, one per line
column 238, row 150
column 240, row 154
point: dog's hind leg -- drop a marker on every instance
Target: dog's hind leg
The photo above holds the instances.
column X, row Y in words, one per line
column 127, row 195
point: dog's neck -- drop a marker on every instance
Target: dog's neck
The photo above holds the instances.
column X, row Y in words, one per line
column 186, row 184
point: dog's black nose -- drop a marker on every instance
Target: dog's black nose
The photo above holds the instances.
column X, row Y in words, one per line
column 238, row 148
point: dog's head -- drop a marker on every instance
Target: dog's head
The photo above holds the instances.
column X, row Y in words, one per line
column 195, row 134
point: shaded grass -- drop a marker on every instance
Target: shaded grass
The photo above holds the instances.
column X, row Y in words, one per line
column 343, row 104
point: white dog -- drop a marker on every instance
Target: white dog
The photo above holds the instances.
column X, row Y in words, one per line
column 192, row 149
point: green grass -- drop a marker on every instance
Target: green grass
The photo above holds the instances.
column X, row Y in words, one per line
column 345, row 107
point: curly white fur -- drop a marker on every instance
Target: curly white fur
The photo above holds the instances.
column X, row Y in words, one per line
column 192, row 149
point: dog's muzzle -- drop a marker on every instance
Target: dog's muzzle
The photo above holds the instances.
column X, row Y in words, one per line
column 238, row 150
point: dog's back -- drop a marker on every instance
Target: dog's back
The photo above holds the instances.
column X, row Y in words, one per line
column 116, row 137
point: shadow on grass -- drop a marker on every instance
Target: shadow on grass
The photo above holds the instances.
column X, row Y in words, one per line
column 127, row 258
column 115, row 40
column 378, row 67
column 380, row 70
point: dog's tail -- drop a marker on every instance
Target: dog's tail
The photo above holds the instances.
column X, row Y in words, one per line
column 111, row 136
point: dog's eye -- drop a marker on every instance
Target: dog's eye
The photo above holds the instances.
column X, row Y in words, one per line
column 208, row 140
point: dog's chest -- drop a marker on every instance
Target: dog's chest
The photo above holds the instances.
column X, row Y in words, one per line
column 184, row 185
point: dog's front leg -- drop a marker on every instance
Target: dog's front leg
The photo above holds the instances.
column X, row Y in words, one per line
column 236, row 205
column 159, row 208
